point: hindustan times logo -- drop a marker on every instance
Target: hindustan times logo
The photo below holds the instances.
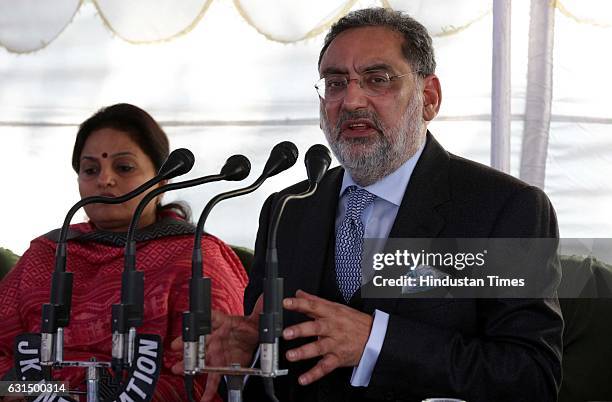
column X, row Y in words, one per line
column 405, row 258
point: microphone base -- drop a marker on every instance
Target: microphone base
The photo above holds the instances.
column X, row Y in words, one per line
column 244, row 371
column 83, row 364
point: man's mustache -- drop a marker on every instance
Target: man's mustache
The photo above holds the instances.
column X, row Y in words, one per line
column 359, row 114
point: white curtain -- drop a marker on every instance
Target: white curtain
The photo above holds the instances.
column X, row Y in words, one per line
column 538, row 98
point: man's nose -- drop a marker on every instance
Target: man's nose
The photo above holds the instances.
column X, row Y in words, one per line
column 355, row 97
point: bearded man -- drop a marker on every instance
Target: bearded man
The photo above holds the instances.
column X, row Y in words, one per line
column 378, row 92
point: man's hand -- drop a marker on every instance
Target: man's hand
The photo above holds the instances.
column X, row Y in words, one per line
column 342, row 331
column 233, row 340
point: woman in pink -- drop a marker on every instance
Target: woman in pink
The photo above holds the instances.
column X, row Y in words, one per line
column 116, row 150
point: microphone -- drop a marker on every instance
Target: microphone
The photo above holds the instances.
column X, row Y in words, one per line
column 236, row 168
column 197, row 321
column 282, row 157
column 128, row 315
column 317, row 162
column 179, row 162
column 56, row 313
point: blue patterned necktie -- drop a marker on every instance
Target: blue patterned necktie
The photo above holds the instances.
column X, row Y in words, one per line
column 349, row 242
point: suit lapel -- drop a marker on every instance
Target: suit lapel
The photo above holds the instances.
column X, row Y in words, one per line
column 418, row 215
column 314, row 232
column 428, row 188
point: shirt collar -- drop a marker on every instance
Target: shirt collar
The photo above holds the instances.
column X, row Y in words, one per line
column 391, row 187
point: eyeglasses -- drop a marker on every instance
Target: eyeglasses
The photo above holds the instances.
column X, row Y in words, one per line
column 374, row 83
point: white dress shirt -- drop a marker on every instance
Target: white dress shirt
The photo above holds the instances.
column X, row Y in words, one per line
column 378, row 220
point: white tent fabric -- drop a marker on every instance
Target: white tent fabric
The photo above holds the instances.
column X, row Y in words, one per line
column 229, row 77
column 150, row 21
column 30, row 25
column 501, row 86
column 538, row 100
column 143, row 21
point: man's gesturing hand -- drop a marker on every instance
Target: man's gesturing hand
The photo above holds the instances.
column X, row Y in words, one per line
column 342, row 331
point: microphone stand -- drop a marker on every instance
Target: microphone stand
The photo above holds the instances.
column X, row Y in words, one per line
column 270, row 323
column 128, row 315
column 56, row 313
column 197, row 321
column 317, row 161
column 271, row 320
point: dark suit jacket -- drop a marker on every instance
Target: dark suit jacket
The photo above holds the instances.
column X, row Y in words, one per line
column 475, row 349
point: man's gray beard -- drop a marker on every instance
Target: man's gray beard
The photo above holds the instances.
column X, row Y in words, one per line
column 369, row 160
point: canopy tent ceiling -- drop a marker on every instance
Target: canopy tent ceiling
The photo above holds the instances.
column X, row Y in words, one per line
column 226, row 77
column 30, row 25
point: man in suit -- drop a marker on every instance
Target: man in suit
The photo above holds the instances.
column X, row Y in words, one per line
column 378, row 92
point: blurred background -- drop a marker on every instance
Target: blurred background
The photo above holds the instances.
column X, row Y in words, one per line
column 226, row 77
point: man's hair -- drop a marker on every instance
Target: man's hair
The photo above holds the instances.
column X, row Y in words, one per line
column 417, row 46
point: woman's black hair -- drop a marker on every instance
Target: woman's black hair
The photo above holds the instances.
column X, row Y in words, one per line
column 142, row 129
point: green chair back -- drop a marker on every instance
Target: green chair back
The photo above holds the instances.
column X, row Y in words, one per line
column 7, row 260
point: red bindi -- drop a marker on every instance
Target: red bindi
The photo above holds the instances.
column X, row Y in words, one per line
column 104, row 154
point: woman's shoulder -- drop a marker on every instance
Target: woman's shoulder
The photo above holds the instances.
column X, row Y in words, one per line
column 221, row 260
column 74, row 230
column 37, row 260
column 211, row 244
column 44, row 245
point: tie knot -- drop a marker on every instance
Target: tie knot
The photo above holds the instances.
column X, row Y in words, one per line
column 358, row 200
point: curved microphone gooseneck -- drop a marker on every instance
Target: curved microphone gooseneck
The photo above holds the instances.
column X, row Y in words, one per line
column 56, row 313
column 197, row 321
column 128, row 315
column 317, row 161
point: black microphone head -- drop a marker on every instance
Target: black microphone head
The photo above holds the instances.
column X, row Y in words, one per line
column 317, row 161
column 179, row 162
column 237, row 167
column 282, row 157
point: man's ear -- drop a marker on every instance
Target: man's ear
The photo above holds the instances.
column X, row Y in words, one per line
column 432, row 97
